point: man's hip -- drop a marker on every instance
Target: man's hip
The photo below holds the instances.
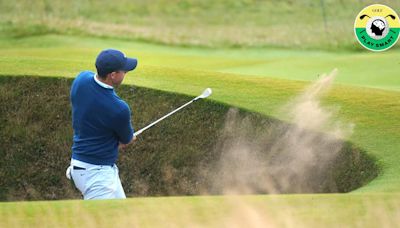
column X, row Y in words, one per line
column 96, row 181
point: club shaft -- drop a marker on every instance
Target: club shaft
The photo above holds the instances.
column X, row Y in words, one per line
column 162, row 118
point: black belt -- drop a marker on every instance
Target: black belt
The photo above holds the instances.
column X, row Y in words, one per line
column 80, row 168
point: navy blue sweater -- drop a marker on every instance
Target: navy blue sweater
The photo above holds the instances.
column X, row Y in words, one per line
column 100, row 120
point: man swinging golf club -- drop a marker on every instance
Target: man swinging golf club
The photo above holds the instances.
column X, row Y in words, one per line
column 102, row 124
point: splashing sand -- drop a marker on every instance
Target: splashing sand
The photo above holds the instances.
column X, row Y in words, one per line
column 284, row 158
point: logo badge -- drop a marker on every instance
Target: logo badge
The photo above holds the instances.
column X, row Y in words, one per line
column 377, row 27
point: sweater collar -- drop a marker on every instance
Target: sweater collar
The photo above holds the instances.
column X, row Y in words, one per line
column 102, row 84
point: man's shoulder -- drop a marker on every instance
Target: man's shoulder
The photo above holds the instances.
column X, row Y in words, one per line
column 85, row 74
column 82, row 78
column 122, row 105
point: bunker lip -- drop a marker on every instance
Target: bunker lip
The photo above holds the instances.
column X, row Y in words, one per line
column 172, row 159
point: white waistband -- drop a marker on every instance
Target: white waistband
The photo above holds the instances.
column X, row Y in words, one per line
column 85, row 165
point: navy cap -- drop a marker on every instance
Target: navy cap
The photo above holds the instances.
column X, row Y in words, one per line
column 111, row 60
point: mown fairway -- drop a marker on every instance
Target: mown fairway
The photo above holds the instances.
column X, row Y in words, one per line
column 260, row 78
column 33, row 55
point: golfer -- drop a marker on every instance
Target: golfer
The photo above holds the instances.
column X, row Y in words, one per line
column 102, row 124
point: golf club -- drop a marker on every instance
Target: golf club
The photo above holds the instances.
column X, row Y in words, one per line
column 207, row 92
column 391, row 16
column 364, row 15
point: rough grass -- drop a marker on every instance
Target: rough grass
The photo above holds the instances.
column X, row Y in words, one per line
column 302, row 24
column 170, row 159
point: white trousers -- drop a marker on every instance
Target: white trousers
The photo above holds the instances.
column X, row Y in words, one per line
column 96, row 181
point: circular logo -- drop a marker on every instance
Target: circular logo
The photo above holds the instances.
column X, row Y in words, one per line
column 377, row 27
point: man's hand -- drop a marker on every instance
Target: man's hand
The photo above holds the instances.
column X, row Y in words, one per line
column 123, row 146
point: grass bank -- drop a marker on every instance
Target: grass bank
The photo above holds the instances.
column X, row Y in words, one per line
column 175, row 158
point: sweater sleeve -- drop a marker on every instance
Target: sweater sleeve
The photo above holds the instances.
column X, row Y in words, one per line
column 123, row 126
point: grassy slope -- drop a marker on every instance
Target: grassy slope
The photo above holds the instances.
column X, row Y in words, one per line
column 337, row 210
column 36, row 137
column 374, row 112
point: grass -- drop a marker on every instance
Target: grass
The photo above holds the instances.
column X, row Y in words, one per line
column 367, row 94
column 36, row 139
column 373, row 111
column 303, row 24
column 43, row 58
column 334, row 210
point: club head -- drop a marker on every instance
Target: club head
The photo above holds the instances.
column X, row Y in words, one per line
column 207, row 92
column 391, row 16
column 364, row 15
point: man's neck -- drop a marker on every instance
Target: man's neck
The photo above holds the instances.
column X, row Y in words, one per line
column 105, row 81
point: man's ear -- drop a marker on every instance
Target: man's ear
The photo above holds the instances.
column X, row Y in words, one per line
column 112, row 75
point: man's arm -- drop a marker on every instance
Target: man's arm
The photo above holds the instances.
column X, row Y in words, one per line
column 123, row 128
column 123, row 146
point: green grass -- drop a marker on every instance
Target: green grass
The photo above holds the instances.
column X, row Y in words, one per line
column 206, row 23
column 334, row 210
column 373, row 111
column 40, row 55
column 367, row 93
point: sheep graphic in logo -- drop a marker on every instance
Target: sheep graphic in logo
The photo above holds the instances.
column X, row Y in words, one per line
column 377, row 27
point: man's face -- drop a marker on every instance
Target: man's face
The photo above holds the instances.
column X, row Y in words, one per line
column 117, row 77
